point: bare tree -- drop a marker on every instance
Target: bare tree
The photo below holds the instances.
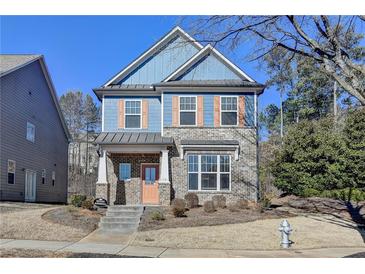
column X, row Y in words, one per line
column 333, row 42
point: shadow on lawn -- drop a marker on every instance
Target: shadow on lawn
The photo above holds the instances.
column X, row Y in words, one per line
column 358, row 220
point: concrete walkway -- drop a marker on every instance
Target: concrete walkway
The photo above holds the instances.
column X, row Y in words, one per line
column 123, row 248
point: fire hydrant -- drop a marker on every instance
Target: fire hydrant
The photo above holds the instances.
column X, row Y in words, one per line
column 285, row 230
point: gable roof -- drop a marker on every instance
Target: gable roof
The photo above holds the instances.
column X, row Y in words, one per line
column 208, row 49
column 177, row 31
column 12, row 62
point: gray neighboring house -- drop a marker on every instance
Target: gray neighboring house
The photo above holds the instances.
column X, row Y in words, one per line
column 33, row 134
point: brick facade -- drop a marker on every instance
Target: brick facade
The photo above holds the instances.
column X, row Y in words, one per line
column 244, row 181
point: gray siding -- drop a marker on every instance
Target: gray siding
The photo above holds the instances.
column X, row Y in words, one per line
column 25, row 97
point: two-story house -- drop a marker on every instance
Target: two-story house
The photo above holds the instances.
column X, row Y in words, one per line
column 180, row 118
column 33, row 134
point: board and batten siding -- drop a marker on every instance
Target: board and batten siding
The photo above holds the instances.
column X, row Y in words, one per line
column 209, row 68
column 114, row 123
column 25, row 97
column 160, row 65
column 208, row 107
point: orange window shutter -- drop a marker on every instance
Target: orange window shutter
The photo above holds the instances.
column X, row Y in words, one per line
column 144, row 114
column 217, row 111
column 200, row 112
column 121, row 113
column 241, row 111
column 175, row 111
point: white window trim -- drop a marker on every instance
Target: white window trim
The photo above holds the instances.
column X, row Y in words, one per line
column 221, row 111
column 32, row 139
column 218, row 172
column 7, row 179
column 125, row 113
column 196, row 111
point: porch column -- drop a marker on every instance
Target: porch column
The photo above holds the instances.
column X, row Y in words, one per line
column 102, row 172
column 164, row 166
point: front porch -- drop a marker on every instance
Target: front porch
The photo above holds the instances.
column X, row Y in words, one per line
column 133, row 172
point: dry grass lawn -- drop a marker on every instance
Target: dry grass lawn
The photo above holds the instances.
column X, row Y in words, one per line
column 315, row 231
column 29, row 224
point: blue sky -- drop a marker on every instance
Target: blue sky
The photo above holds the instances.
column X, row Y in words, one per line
column 83, row 52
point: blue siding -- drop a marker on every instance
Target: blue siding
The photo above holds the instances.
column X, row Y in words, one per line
column 111, row 114
column 162, row 64
column 209, row 68
column 208, row 99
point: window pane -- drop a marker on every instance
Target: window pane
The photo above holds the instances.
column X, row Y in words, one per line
column 132, row 121
column 187, row 118
column 193, row 181
column 124, row 171
column 224, row 163
column 209, row 181
column 148, row 174
column 224, row 181
column 229, row 118
column 132, row 107
column 229, row 103
column 11, row 177
column 187, row 103
column 193, row 163
column 209, row 163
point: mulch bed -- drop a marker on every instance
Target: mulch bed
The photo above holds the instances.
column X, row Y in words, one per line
column 197, row 217
column 75, row 217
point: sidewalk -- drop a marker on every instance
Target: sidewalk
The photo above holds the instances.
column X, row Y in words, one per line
column 159, row 252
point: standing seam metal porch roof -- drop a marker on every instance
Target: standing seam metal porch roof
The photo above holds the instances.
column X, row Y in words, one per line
column 132, row 138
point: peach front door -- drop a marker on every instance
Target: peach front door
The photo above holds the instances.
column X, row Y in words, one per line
column 150, row 176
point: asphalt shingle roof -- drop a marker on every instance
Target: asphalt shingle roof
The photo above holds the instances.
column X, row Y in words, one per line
column 10, row 62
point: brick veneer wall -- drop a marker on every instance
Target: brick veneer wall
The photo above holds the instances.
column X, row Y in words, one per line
column 244, row 182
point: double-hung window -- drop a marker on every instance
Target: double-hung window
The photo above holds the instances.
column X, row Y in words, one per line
column 209, row 172
column 43, row 176
column 229, row 111
column 30, row 132
column 188, row 111
column 133, row 113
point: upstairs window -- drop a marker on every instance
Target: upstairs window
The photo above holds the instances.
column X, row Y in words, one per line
column 229, row 111
column 133, row 114
column 188, row 111
column 124, row 171
column 30, row 132
column 11, row 172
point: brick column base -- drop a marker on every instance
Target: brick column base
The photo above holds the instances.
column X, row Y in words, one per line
column 102, row 191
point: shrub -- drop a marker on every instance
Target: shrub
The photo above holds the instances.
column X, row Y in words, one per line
column 311, row 192
column 76, row 200
column 157, row 216
column 209, row 206
column 88, row 204
column 232, row 207
column 242, row 204
column 219, row 201
column 265, row 202
column 178, row 207
column 192, row 200
column 357, row 195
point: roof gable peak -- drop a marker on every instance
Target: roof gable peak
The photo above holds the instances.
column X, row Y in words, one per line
column 172, row 34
